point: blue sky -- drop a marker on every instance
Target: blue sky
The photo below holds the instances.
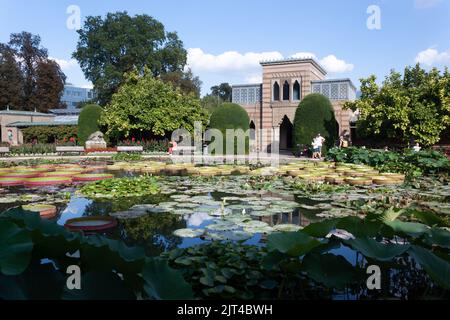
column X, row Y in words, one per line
column 226, row 39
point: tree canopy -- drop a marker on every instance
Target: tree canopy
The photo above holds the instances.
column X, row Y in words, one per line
column 110, row 47
column 29, row 79
column 223, row 91
column 315, row 115
column 412, row 106
column 146, row 104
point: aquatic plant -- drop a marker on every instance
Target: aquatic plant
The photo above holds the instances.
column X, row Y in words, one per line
column 120, row 188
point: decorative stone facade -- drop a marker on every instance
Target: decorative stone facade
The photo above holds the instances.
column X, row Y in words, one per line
column 272, row 104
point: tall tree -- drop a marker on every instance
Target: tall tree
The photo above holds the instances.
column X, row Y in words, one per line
column 412, row 106
column 34, row 79
column 49, row 86
column 110, row 47
column 185, row 81
column 10, row 79
column 28, row 50
column 223, row 91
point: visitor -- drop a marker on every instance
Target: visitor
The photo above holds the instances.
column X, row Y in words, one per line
column 315, row 150
column 319, row 142
column 417, row 147
column 386, row 149
column 343, row 142
column 172, row 145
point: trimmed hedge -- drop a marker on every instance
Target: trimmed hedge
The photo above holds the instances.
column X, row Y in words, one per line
column 315, row 115
column 88, row 122
column 231, row 116
column 50, row 134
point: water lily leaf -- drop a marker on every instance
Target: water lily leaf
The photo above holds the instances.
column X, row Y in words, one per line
column 439, row 237
column 437, row 268
column 428, row 218
column 330, row 270
column 412, row 229
column 15, row 248
column 375, row 250
column 286, row 228
column 188, row 233
column 165, row 283
column 293, row 243
column 320, row 229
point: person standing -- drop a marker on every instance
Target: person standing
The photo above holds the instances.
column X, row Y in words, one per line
column 320, row 141
column 417, row 147
column 314, row 148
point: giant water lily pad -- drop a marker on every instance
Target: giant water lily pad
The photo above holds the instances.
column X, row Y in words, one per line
column 286, row 228
column 188, row 233
column 222, row 226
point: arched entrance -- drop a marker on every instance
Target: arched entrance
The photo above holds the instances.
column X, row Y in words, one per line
column 252, row 130
column 286, row 129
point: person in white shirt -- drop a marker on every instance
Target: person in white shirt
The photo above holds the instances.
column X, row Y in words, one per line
column 315, row 148
column 319, row 141
column 417, row 147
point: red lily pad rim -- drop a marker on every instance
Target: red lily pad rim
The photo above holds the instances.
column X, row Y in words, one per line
column 110, row 223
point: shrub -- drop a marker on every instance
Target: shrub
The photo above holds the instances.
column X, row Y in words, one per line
column 231, row 116
column 127, row 157
column 50, row 134
column 88, row 122
column 38, row 148
column 315, row 115
column 149, row 145
column 408, row 162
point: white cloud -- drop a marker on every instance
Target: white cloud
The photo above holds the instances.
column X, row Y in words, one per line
column 227, row 61
column 245, row 67
column 424, row 4
column 254, row 78
column 65, row 64
column 303, row 55
column 335, row 65
column 432, row 56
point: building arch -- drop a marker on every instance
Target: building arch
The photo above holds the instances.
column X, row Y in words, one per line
column 296, row 92
column 276, row 91
column 252, row 130
column 286, row 133
column 286, row 91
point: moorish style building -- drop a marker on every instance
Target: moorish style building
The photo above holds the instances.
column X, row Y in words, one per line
column 272, row 104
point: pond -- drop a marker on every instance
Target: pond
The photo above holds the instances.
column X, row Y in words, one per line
column 192, row 210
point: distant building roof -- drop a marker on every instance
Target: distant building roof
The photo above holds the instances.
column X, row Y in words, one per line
column 246, row 85
column 335, row 80
column 22, row 124
column 294, row 61
column 24, row 113
column 65, row 111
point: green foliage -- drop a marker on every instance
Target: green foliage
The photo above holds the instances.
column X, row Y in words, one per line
column 414, row 105
column 88, row 122
column 411, row 163
column 38, row 148
column 186, row 82
column 29, row 80
column 293, row 265
column 146, row 104
column 110, row 270
column 111, row 46
column 50, row 134
column 315, row 115
column 222, row 91
column 120, row 188
column 211, row 103
column 123, row 156
column 231, row 116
